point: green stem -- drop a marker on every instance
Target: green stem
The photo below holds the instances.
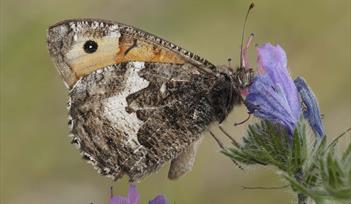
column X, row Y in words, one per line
column 301, row 198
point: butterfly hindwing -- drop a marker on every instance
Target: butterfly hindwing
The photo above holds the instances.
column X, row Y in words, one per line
column 128, row 119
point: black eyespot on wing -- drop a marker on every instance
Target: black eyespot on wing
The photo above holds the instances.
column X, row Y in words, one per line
column 90, row 46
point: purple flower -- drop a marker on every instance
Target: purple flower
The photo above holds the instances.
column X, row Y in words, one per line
column 310, row 106
column 134, row 198
column 160, row 199
column 273, row 95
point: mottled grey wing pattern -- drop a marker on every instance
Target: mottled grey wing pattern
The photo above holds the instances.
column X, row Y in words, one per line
column 131, row 118
column 137, row 100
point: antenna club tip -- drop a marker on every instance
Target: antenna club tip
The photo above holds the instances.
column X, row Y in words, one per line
column 252, row 34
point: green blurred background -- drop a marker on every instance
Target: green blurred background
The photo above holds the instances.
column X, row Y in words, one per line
column 38, row 163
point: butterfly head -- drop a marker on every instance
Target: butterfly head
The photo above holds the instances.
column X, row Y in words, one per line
column 243, row 77
column 79, row 47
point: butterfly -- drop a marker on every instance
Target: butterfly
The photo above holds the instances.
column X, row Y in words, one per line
column 137, row 101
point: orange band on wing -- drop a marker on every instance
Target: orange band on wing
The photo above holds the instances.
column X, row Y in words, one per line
column 137, row 50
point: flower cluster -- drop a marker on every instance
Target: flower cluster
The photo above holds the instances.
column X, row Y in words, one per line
column 313, row 170
column 275, row 97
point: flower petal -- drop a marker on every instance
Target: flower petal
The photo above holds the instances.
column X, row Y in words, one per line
column 160, row 199
column 119, row 200
column 311, row 109
column 272, row 60
column 133, row 195
column 273, row 95
column 267, row 101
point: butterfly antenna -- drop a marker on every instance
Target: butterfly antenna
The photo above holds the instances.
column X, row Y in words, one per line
column 252, row 5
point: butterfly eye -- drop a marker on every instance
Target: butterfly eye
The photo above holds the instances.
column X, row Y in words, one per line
column 90, row 46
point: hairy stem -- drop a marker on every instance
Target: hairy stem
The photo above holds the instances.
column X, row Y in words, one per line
column 301, row 198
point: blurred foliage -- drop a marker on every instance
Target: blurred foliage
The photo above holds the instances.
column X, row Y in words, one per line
column 39, row 165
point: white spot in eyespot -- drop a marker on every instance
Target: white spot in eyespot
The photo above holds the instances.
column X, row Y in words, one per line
column 115, row 106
